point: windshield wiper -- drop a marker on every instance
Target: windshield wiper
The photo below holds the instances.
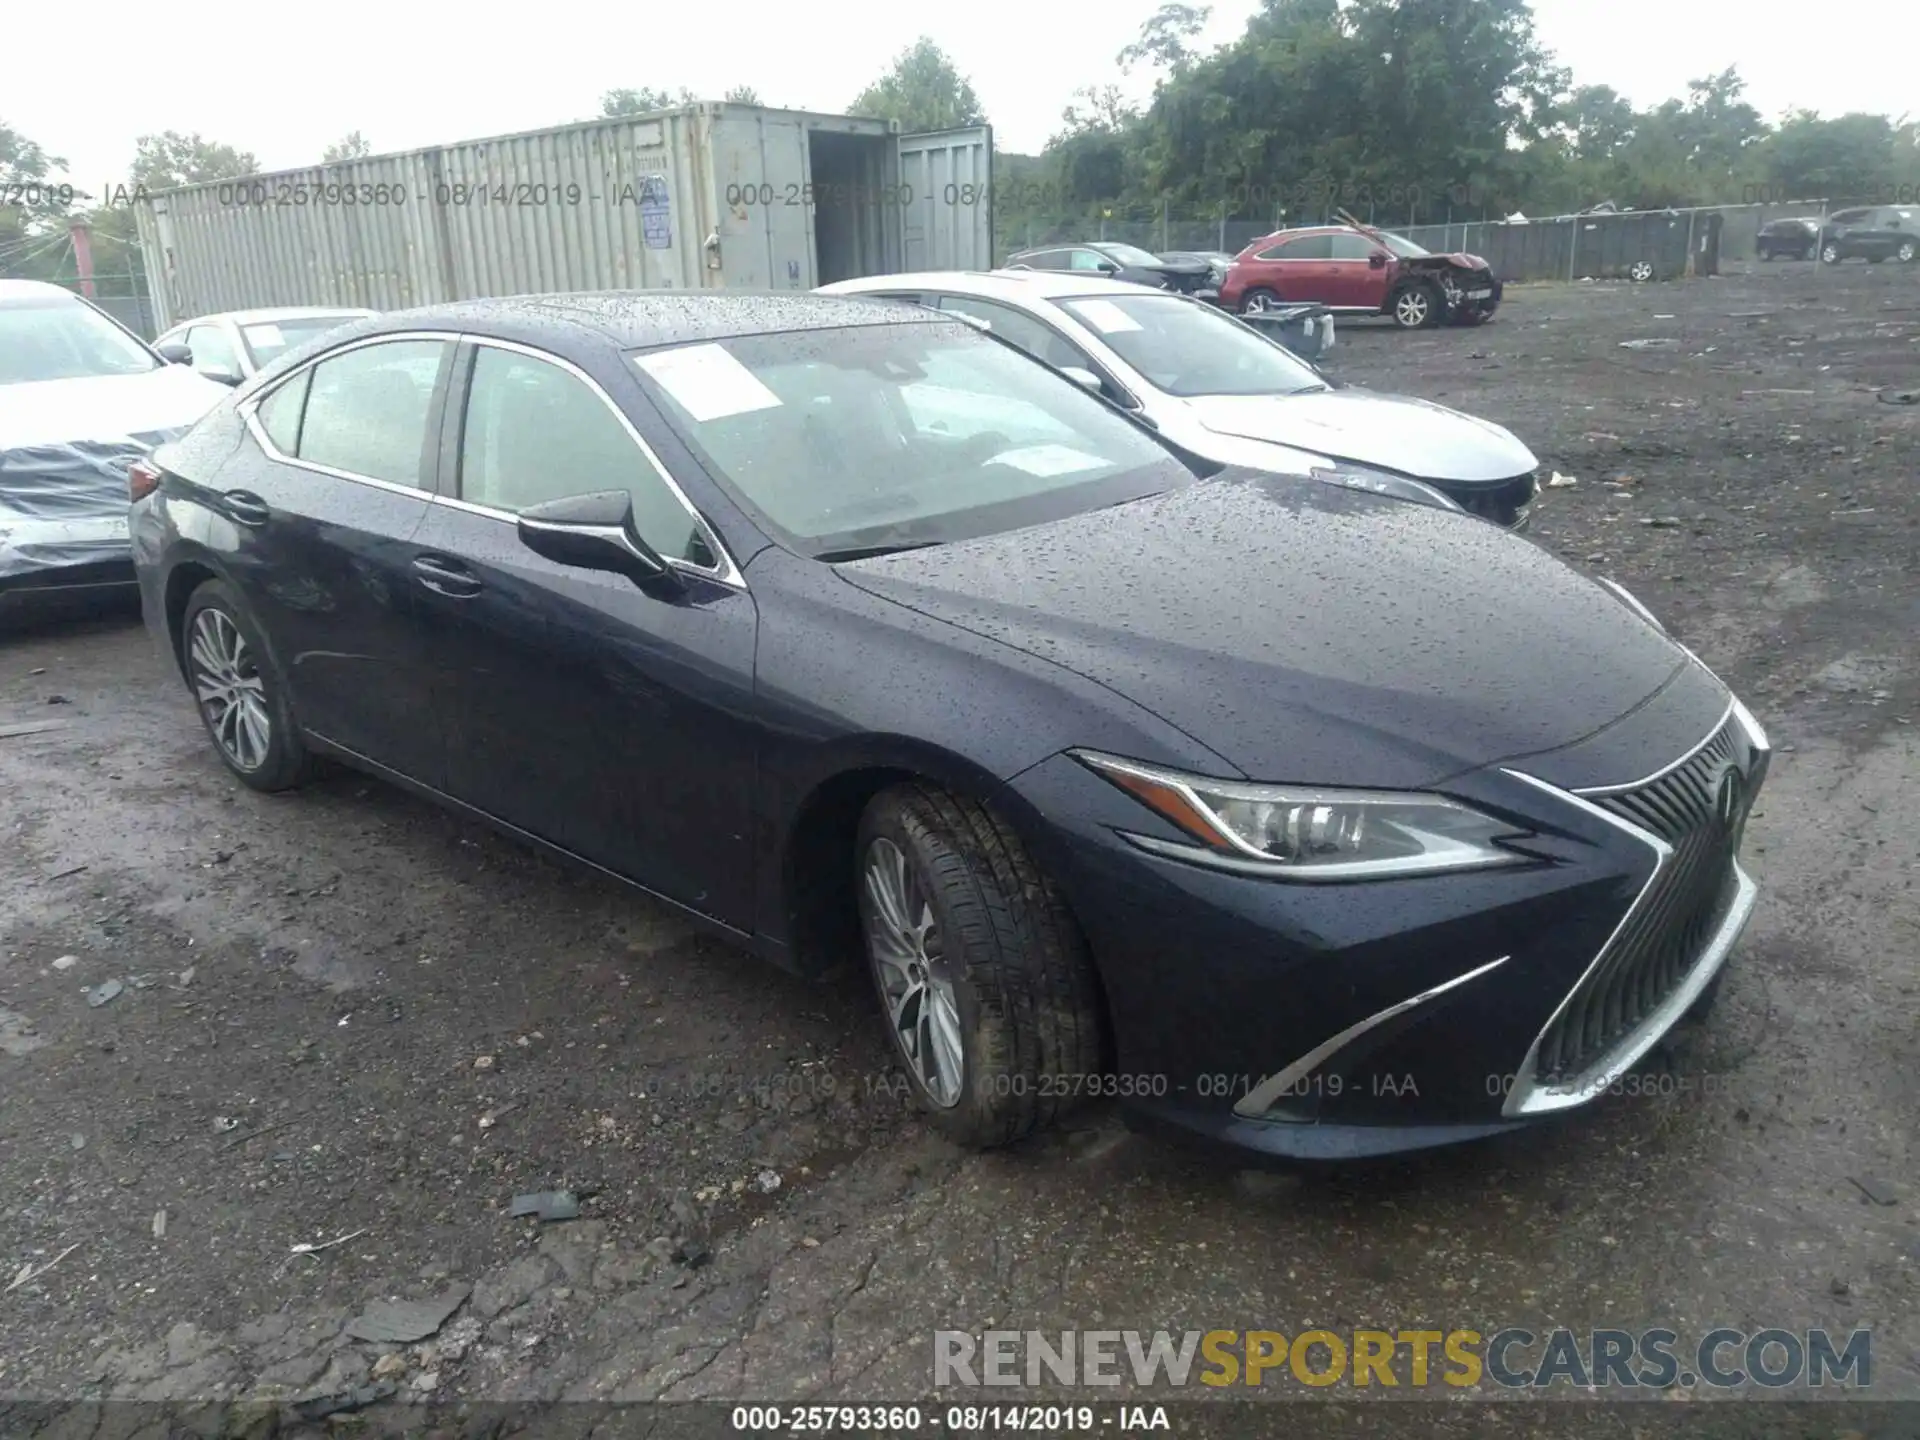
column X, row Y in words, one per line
column 867, row 552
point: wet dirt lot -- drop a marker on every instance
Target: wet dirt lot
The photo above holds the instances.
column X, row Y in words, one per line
column 344, row 1014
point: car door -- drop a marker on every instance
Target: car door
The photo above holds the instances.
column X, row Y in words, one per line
column 610, row 720
column 321, row 513
column 1351, row 278
column 1299, row 271
column 1843, row 231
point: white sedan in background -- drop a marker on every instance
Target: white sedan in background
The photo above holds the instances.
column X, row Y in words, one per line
column 1225, row 392
column 233, row 346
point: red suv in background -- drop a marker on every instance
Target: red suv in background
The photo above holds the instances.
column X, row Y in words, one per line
column 1364, row 272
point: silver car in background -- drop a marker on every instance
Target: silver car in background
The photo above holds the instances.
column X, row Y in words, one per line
column 238, row 344
column 1222, row 390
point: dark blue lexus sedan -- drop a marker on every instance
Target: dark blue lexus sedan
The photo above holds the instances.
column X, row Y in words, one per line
column 1305, row 818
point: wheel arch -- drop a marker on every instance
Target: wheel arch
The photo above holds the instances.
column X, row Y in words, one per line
column 187, row 575
column 815, row 900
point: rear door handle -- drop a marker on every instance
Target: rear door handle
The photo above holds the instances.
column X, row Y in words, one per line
column 244, row 507
column 446, row 577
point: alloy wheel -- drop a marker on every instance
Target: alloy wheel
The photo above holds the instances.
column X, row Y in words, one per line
column 229, row 687
column 1905, row 253
column 1831, row 254
column 911, row 968
column 1642, row 270
column 1259, row 304
column 1412, row 308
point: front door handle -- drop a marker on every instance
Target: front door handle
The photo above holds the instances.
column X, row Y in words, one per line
column 446, row 577
column 244, row 507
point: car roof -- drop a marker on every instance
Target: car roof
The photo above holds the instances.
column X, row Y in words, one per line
column 24, row 291
column 1012, row 285
column 638, row 319
column 282, row 312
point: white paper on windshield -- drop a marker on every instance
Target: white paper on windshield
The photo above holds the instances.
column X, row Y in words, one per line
column 1105, row 316
column 1049, row 460
column 707, row 382
column 268, row 336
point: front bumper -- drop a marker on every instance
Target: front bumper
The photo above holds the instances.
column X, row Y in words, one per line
column 1472, row 308
column 1339, row 1021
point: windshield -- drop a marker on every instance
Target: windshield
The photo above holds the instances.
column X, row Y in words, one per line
column 889, row 436
column 267, row 340
column 64, row 338
column 1129, row 254
column 1401, row 246
column 1185, row 348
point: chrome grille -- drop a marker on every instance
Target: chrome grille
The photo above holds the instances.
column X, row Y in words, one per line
column 1671, row 923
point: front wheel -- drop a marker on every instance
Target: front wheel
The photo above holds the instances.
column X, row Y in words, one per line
column 1766, row 254
column 1259, row 302
column 1905, row 253
column 1830, row 254
column 242, row 702
column 1417, row 307
column 1641, row 272
column 984, row 978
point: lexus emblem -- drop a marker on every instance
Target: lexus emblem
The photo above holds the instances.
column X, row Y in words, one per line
column 1731, row 800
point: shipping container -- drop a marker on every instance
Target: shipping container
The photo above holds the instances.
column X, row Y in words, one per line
column 706, row 196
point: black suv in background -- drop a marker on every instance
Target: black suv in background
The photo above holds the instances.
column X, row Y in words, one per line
column 1120, row 262
column 1873, row 233
column 1795, row 239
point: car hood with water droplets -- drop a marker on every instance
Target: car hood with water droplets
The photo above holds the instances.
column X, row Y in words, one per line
column 1309, row 634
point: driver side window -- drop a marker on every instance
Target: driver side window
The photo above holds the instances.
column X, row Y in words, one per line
column 535, row 432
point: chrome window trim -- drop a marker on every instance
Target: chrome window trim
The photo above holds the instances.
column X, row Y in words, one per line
column 1602, row 791
column 1264, row 1096
column 1528, row 1096
column 248, row 410
column 726, row 573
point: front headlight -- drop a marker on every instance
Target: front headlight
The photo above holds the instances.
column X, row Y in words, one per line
column 1384, row 482
column 1296, row 833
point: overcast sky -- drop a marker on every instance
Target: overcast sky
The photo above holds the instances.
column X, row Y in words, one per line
column 408, row 77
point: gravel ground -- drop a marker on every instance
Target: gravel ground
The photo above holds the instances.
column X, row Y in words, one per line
column 344, row 1014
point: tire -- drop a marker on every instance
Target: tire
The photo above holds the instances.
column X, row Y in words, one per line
column 1905, row 254
column 946, row 885
column 1830, row 254
column 241, row 699
column 1766, row 254
column 1640, row 272
column 1417, row 307
column 1258, row 299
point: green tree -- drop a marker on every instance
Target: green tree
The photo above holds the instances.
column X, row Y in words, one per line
column 169, row 159
column 350, row 146
column 643, row 101
column 743, row 95
column 923, row 91
column 33, row 214
column 1810, row 158
column 1166, row 40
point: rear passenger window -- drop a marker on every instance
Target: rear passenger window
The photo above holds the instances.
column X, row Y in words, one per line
column 367, row 410
column 279, row 413
column 535, row 432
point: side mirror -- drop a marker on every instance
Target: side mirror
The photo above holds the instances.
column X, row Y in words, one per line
column 175, row 352
column 1080, row 375
column 1107, row 267
column 595, row 532
column 222, row 377
column 1377, row 260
